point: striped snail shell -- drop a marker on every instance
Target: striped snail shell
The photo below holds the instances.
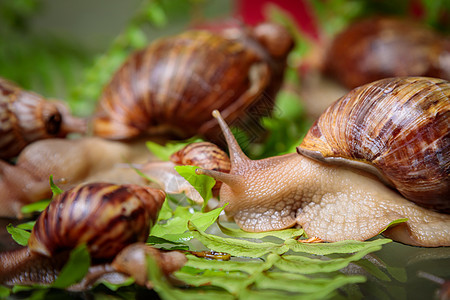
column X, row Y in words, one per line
column 397, row 128
column 205, row 155
column 27, row 117
column 107, row 217
column 173, row 85
column 374, row 48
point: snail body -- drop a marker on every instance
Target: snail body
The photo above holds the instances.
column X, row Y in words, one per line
column 71, row 162
column 336, row 201
column 27, row 117
column 106, row 217
column 374, row 48
column 174, row 84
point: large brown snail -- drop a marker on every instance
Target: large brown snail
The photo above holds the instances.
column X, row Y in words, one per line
column 173, row 85
column 397, row 128
column 106, row 217
column 381, row 47
column 27, row 117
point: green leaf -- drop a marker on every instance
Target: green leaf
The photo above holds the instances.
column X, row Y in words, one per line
column 348, row 246
column 136, row 37
column 175, row 229
column 154, row 240
column 281, row 234
column 27, row 225
column 114, row 287
column 235, row 247
column 204, row 220
column 232, row 282
column 395, row 222
column 297, row 283
column 247, row 266
column 55, row 189
column 35, row 207
column 155, row 13
column 75, row 269
column 202, row 183
column 21, row 236
column 305, row 265
column 4, row 292
column 372, row 269
column 163, row 152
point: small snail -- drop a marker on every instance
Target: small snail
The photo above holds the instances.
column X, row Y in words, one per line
column 27, row 117
column 375, row 48
column 397, row 127
column 106, row 217
column 71, row 162
column 202, row 154
column 173, row 85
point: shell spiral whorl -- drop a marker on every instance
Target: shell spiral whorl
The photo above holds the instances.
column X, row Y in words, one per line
column 107, row 217
column 400, row 126
column 173, row 85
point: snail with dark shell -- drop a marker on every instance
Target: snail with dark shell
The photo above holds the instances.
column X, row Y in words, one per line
column 27, row 117
column 105, row 217
column 397, row 128
column 201, row 154
column 175, row 83
column 375, row 48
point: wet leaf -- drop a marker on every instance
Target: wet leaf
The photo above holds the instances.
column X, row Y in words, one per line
column 236, row 247
column 372, row 269
column 303, row 284
column 305, row 265
column 176, row 229
column 247, row 266
column 163, row 152
column 35, row 207
column 21, row 236
column 75, row 269
column 4, row 292
column 166, row 291
column 395, row 222
column 27, row 225
column 348, row 246
column 202, row 183
column 281, row 234
column 232, row 282
column 114, row 287
column 55, row 189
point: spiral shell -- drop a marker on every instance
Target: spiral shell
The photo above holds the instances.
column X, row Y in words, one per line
column 27, row 117
column 173, row 85
column 398, row 128
column 375, row 48
column 107, row 217
column 204, row 155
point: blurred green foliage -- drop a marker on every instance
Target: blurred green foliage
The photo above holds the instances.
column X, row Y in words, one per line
column 38, row 62
column 333, row 15
column 63, row 67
